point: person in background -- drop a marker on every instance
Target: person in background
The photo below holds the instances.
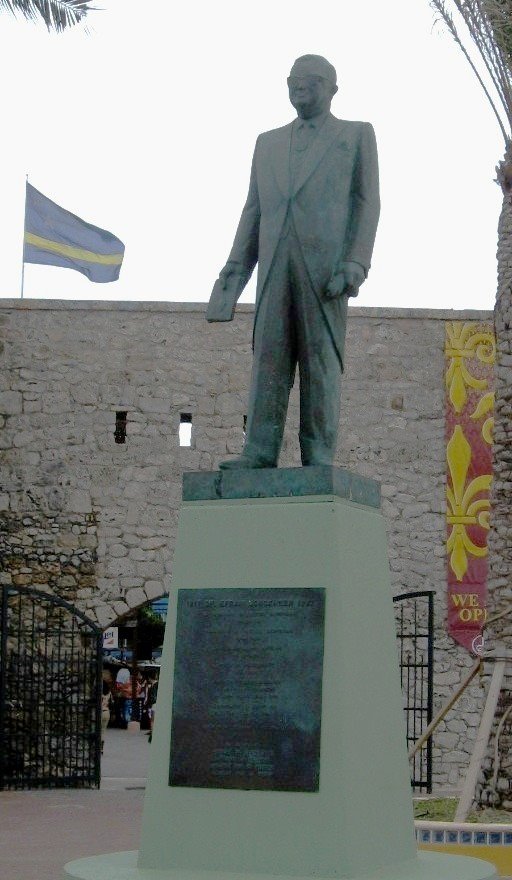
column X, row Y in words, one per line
column 151, row 702
column 124, row 694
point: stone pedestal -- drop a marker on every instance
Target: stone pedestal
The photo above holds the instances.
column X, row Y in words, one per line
column 315, row 528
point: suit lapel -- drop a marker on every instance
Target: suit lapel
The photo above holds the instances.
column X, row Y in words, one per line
column 327, row 134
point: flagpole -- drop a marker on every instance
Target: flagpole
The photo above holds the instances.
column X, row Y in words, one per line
column 23, row 249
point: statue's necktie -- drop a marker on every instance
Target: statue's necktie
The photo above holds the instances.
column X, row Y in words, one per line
column 303, row 136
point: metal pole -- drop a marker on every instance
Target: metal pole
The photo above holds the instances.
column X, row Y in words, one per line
column 23, row 249
column 430, row 686
column 4, row 610
column 97, row 639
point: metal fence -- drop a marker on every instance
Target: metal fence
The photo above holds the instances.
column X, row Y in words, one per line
column 50, row 692
column 50, row 688
column 414, row 613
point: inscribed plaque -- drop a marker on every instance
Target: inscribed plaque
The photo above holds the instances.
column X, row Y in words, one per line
column 247, row 696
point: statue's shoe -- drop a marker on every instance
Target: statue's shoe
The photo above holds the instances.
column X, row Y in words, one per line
column 245, row 462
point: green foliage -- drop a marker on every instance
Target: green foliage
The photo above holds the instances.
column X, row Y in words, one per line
column 489, row 27
column 435, row 809
column 499, row 13
column 443, row 810
column 56, row 14
column 150, row 632
column 146, row 616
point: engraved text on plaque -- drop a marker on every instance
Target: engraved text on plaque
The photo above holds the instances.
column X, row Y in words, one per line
column 248, row 689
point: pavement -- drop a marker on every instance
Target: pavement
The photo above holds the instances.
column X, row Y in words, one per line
column 42, row 830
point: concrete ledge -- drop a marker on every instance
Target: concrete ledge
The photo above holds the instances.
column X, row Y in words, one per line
column 490, row 842
column 427, row 866
column 280, row 483
column 378, row 312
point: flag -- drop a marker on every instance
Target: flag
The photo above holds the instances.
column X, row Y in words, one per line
column 55, row 237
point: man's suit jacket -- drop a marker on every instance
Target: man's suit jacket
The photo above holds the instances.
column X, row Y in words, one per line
column 334, row 203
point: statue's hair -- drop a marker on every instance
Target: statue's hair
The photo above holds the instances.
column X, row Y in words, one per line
column 325, row 68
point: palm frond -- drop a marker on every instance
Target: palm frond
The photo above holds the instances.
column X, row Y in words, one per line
column 499, row 13
column 489, row 24
column 56, row 14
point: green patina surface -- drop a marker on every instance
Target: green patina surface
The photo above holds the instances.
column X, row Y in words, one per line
column 280, row 483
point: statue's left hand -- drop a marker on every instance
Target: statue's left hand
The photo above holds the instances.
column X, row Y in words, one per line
column 347, row 281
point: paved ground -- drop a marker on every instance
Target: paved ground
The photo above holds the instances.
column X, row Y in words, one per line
column 42, row 830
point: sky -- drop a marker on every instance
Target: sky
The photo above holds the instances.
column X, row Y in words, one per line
column 145, row 125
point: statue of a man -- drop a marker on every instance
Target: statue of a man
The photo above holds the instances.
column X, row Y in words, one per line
column 309, row 222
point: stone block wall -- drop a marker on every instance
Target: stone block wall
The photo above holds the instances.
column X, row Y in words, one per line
column 95, row 520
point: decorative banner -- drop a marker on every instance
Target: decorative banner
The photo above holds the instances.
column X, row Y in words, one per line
column 470, row 355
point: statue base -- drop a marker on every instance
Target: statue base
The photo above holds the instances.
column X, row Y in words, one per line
column 427, row 866
column 311, row 531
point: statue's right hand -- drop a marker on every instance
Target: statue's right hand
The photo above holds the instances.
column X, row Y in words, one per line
column 226, row 290
column 227, row 272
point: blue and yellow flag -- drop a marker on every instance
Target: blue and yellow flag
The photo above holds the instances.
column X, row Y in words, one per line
column 55, row 237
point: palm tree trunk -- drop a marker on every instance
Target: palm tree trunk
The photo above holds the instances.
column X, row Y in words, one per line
column 500, row 538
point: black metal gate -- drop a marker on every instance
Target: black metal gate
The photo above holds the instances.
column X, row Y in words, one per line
column 50, row 692
column 414, row 614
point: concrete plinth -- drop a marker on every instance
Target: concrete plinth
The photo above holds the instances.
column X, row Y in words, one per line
column 427, row 866
column 359, row 824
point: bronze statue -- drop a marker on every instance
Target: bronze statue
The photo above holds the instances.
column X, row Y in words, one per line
column 309, row 222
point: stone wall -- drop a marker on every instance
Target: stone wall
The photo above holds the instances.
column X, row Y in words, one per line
column 96, row 520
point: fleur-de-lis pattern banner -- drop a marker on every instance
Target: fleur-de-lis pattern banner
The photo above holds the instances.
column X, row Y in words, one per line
column 470, row 355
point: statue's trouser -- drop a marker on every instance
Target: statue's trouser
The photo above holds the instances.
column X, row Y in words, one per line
column 291, row 330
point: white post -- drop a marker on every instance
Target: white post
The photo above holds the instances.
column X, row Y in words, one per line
column 468, row 791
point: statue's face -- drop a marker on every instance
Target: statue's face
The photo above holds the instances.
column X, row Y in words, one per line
column 310, row 95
